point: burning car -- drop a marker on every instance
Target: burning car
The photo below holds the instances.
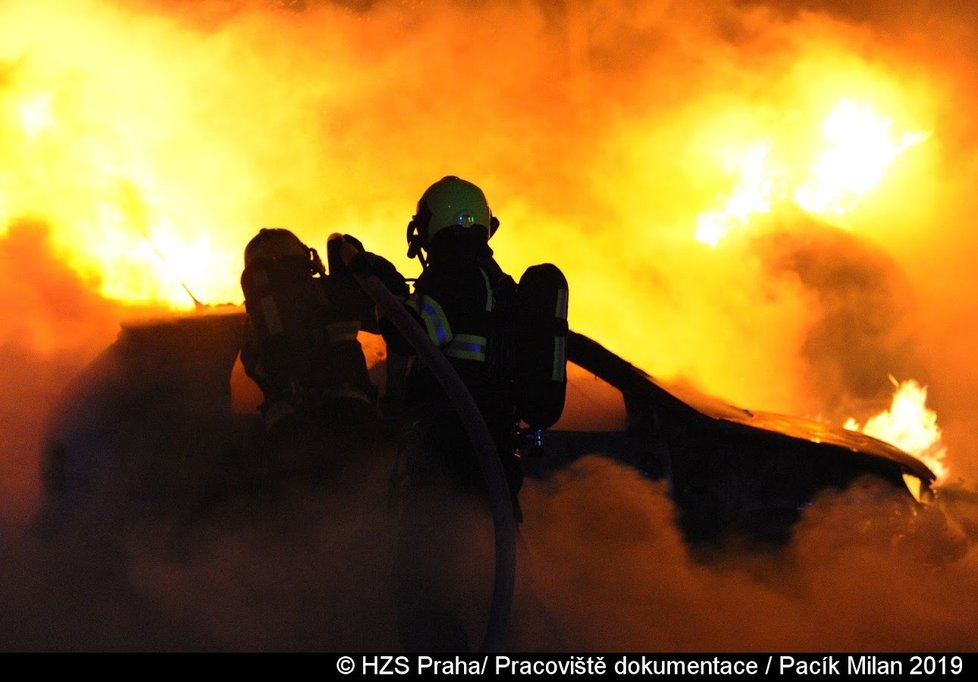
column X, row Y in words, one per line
column 728, row 469
column 151, row 425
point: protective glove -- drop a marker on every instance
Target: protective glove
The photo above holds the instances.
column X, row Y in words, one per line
column 374, row 264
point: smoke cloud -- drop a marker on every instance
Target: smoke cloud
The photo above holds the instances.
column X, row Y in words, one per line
column 146, row 142
column 54, row 324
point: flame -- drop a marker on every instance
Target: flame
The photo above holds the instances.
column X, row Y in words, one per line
column 35, row 114
column 154, row 142
column 910, row 425
column 102, row 139
column 100, row 205
column 151, row 198
column 859, row 146
column 133, row 160
column 753, row 193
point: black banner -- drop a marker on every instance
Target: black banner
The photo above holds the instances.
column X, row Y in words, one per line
column 658, row 665
column 509, row 666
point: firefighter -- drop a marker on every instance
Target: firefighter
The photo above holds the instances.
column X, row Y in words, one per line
column 506, row 342
column 461, row 298
column 300, row 347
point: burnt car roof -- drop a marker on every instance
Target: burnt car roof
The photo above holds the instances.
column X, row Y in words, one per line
column 632, row 380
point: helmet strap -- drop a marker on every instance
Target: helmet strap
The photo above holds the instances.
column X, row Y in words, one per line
column 413, row 238
column 414, row 242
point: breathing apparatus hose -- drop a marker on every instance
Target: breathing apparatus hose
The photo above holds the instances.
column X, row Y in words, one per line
column 458, row 394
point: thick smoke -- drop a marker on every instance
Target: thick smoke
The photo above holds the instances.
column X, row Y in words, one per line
column 54, row 324
column 596, row 129
column 605, row 570
column 863, row 315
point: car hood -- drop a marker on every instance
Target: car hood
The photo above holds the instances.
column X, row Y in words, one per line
column 632, row 380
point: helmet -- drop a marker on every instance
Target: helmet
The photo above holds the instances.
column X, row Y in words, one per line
column 450, row 202
column 275, row 242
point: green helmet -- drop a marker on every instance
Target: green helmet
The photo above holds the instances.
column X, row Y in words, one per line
column 450, row 202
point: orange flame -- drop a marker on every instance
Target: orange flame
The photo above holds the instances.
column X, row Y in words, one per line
column 156, row 141
column 107, row 127
column 910, row 425
column 134, row 140
column 754, row 192
column 109, row 225
column 859, row 147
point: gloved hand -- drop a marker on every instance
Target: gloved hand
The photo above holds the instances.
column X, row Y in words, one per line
column 385, row 271
column 375, row 265
column 334, row 251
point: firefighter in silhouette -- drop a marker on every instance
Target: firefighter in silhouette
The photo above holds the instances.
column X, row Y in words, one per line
column 467, row 305
column 301, row 348
column 461, row 298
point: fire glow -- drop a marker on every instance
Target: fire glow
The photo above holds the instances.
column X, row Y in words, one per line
column 910, row 425
column 107, row 222
column 859, row 147
column 128, row 162
column 153, row 143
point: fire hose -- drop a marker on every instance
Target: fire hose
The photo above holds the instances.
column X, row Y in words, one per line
column 504, row 523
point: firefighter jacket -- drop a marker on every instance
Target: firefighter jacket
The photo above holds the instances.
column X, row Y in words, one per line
column 460, row 303
column 300, row 343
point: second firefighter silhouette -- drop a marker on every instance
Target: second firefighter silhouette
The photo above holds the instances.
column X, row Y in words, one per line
column 488, row 327
column 301, row 348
